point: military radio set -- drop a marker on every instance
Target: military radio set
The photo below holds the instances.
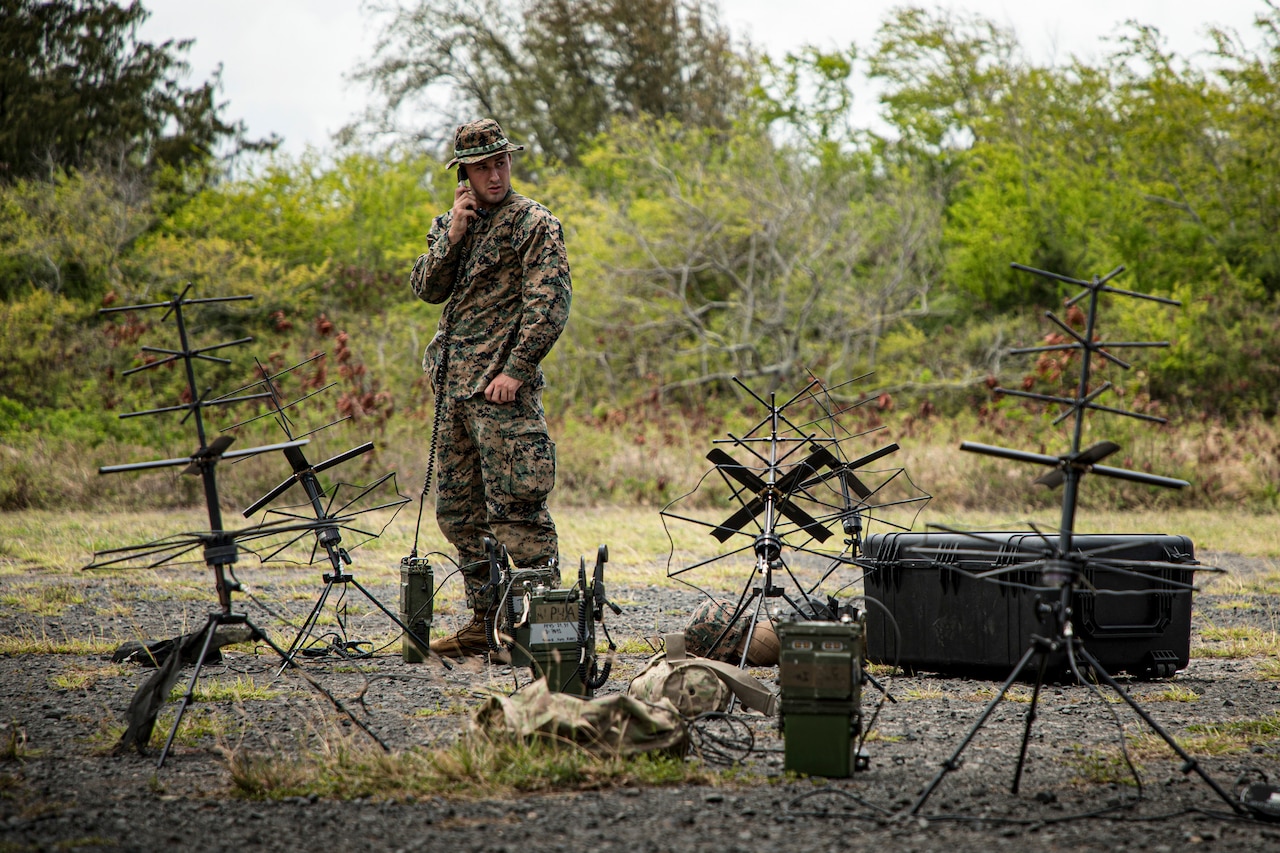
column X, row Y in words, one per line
column 554, row 630
column 820, row 676
column 536, row 623
column 417, row 597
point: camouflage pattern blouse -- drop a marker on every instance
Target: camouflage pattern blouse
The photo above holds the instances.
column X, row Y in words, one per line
column 511, row 301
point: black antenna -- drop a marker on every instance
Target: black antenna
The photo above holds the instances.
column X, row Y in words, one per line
column 796, row 483
column 220, row 549
column 1070, row 467
column 1058, row 564
column 220, row 546
column 320, row 506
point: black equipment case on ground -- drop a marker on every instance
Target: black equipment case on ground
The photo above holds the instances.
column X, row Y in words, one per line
column 955, row 623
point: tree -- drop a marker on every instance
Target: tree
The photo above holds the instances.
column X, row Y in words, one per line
column 944, row 72
column 735, row 257
column 77, row 85
column 555, row 73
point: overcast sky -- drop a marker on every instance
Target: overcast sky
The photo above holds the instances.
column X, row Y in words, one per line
column 285, row 62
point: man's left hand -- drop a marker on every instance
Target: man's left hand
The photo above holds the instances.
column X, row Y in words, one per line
column 503, row 389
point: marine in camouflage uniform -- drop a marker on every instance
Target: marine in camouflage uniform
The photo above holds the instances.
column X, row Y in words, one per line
column 499, row 261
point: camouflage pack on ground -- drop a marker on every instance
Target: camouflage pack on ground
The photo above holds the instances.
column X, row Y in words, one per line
column 617, row 724
column 691, row 687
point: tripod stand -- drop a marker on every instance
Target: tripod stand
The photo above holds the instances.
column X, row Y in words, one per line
column 322, row 521
column 1060, row 567
column 329, row 538
column 220, row 546
column 1062, row 639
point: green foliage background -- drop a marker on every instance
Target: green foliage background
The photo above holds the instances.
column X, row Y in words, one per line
column 769, row 239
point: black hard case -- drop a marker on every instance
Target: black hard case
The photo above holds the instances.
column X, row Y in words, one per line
column 952, row 622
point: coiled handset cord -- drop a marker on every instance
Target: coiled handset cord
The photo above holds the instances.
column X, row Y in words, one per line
column 438, row 386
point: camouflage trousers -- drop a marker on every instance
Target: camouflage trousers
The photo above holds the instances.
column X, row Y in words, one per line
column 496, row 465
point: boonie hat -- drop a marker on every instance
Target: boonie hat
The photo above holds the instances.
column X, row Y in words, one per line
column 479, row 140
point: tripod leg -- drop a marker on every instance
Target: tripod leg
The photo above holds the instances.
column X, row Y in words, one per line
column 743, row 603
column 751, row 632
column 1189, row 764
column 1031, row 718
column 259, row 635
column 210, row 628
column 305, row 631
column 421, row 641
column 874, row 682
column 953, row 762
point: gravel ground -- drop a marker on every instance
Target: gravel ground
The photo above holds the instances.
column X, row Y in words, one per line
column 60, row 787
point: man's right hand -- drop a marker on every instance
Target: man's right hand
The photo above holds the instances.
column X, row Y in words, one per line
column 464, row 211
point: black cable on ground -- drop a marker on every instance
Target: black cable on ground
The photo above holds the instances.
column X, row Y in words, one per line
column 720, row 738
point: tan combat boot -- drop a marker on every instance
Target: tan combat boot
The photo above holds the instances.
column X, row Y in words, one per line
column 468, row 640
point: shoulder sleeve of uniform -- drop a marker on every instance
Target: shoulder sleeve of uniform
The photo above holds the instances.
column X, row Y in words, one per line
column 546, row 289
column 538, row 238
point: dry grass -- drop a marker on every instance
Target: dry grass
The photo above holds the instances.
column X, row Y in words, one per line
column 86, row 677
column 1236, row 643
column 42, row 644
column 469, row 768
column 41, row 599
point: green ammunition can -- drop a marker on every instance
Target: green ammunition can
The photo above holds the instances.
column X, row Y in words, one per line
column 417, row 593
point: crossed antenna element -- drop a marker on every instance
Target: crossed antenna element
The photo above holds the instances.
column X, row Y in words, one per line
column 337, row 508
column 332, row 510
column 804, row 498
column 220, row 547
column 1052, row 563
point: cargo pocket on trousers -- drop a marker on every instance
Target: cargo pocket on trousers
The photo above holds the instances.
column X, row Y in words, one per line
column 531, row 468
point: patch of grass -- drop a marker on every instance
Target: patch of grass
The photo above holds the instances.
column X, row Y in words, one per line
column 1267, row 583
column 116, row 609
column 876, row 736
column 1016, row 693
column 1104, row 767
column 1171, row 693
column 471, row 768
column 64, row 541
column 1269, row 669
column 82, row 678
column 199, row 725
column 1233, row 604
column 628, row 646
column 217, row 690
column 16, row 568
column 453, row 709
column 356, row 668
column 1204, row 740
column 155, row 593
column 917, row 693
column 42, row 599
column 1234, row 736
column 29, row 644
column 1236, row 642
